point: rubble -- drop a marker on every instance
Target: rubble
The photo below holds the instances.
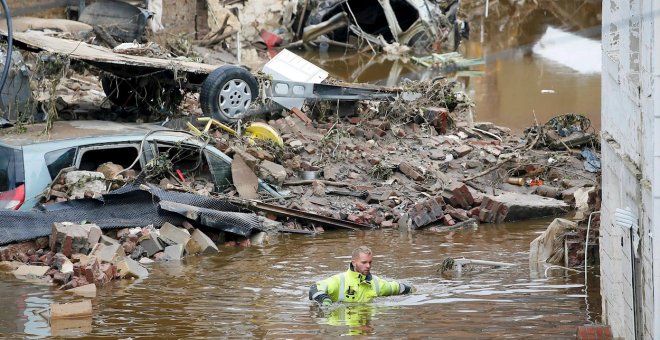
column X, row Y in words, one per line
column 368, row 163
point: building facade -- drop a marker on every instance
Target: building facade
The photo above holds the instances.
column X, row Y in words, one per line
column 630, row 276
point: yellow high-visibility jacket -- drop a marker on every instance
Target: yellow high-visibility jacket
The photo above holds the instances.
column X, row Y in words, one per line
column 351, row 286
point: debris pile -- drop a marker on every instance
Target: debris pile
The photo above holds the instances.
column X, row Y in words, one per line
column 76, row 255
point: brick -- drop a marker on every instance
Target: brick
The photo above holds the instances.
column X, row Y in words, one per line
column 409, row 171
column 70, row 310
column 438, row 117
column 447, row 220
column 109, row 270
column 474, row 212
column 595, row 332
column 91, row 270
column 458, row 196
column 463, row 150
column 458, row 214
column 387, row 224
column 69, row 239
column 485, row 215
column 11, row 251
column 425, row 212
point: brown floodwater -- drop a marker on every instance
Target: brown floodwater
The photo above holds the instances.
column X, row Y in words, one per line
column 262, row 292
column 542, row 59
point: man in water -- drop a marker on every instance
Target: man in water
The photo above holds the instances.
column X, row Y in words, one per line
column 357, row 284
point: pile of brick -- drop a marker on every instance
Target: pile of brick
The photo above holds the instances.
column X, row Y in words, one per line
column 77, row 255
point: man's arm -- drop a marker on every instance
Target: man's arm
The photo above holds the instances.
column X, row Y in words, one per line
column 323, row 291
column 386, row 288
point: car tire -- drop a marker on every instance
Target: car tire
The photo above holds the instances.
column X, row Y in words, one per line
column 227, row 93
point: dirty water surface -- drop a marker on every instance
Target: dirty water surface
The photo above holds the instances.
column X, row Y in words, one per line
column 542, row 59
column 262, row 292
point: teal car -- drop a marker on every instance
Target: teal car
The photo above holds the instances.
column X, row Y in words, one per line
column 30, row 160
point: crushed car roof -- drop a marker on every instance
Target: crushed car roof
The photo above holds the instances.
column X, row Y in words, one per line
column 64, row 130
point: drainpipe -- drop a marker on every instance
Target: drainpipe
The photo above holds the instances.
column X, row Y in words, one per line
column 655, row 189
column 625, row 219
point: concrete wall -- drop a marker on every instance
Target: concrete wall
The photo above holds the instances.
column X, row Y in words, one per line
column 630, row 145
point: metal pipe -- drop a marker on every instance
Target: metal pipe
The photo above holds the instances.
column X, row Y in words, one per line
column 10, row 44
column 634, row 282
column 586, row 243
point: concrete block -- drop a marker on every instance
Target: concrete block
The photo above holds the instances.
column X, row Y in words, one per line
column 207, row 246
column 174, row 252
column 108, row 240
column 107, row 253
column 173, row 235
column 88, row 290
column 146, row 260
column 521, row 207
column 272, row 172
column 30, row 272
column 67, row 267
column 94, row 234
column 128, row 268
column 71, row 310
column 152, row 244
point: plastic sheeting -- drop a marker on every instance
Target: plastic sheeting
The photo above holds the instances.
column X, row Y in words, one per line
column 130, row 206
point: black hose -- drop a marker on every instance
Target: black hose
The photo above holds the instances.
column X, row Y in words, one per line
column 10, row 44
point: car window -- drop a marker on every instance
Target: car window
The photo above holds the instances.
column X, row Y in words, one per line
column 196, row 165
column 11, row 168
column 220, row 169
column 58, row 160
column 92, row 157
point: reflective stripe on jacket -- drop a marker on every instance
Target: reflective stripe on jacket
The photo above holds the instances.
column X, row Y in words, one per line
column 351, row 286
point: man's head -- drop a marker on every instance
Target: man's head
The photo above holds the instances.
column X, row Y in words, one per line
column 361, row 260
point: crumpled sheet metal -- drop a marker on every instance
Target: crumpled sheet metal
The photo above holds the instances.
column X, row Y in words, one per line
column 129, row 206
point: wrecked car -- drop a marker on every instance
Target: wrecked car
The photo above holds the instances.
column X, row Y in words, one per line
column 30, row 160
column 420, row 24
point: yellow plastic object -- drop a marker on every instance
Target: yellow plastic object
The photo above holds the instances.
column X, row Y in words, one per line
column 193, row 129
column 217, row 123
column 263, row 131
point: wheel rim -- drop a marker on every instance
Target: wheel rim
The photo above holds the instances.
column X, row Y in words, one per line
column 235, row 98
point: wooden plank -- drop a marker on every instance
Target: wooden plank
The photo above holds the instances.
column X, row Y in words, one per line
column 82, row 51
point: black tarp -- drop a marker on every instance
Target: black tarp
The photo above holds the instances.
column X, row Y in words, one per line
column 129, row 206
